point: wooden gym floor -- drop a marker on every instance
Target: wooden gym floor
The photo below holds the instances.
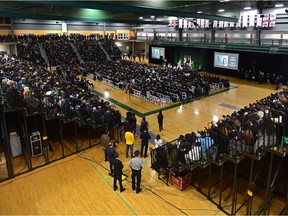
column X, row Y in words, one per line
column 80, row 184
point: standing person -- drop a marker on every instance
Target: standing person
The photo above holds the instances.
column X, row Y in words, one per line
column 128, row 114
column 133, row 123
column 224, row 62
column 160, row 120
column 158, row 141
column 110, row 153
column 126, row 125
column 144, row 125
column 145, row 136
column 129, row 137
column 136, row 164
column 105, row 139
column 118, row 167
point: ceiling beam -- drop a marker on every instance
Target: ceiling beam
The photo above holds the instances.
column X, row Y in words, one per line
column 81, row 19
column 126, row 8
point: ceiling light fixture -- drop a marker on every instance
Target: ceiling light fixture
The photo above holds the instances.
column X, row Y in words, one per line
column 199, row 12
column 247, row 8
column 152, row 17
column 221, row 10
column 279, row 5
column 141, row 18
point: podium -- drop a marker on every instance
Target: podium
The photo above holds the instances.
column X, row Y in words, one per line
column 36, row 144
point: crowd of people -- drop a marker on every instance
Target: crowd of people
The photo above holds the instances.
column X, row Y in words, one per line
column 26, row 81
column 175, row 83
column 25, row 84
column 262, row 77
column 28, row 47
column 88, row 48
column 261, row 124
column 8, row 38
column 112, row 49
column 59, row 50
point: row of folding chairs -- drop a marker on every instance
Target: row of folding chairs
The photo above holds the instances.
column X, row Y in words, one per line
column 160, row 99
column 110, row 83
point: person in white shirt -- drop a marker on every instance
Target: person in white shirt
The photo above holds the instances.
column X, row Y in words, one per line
column 136, row 165
column 158, row 141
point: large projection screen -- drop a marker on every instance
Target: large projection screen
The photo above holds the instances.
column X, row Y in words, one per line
column 226, row 60
column 158, row 53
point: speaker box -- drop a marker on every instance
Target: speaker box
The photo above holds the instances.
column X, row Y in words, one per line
column 36, row 144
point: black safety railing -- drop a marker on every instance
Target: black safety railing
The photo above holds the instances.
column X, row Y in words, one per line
column 50, row 106
column 220, row 144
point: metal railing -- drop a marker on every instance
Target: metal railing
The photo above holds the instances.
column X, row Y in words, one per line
column 221, row 40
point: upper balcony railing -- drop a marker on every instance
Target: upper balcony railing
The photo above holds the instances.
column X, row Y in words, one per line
column 222, row 40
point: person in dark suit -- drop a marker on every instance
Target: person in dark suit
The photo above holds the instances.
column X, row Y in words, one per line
column 118, row 166
column 160, row 120
column 145, row 136
column 128, row 114
column 110, row 154
column 127, row 126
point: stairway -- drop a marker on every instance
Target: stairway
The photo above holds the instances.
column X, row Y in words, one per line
column 108, row 57
column 77, row 52
column 43, row 53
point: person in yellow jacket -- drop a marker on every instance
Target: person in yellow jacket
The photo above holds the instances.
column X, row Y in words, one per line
column 129, row 137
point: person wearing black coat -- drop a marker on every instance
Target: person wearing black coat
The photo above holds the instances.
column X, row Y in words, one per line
column 118, row 167
column 110, row 154
column 160, row 120
column 145, row 136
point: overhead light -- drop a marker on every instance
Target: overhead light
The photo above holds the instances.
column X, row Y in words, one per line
column 279, row 5
column 152, row 17
column 221, row 10
column 199, row 12
column 247, row 8
column 140, row 18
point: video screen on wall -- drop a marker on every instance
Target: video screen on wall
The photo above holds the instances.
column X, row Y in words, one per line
column 158, row 53
column 226, row 60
